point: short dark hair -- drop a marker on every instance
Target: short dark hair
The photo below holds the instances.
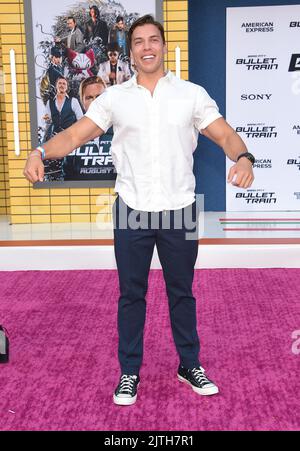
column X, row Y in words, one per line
column 113, row 47
column 72, row 18
column 144, row 20
column 119, row 19
column 56, row 51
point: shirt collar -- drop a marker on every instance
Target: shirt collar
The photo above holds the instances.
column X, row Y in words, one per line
column 55, row 98
column 133, row 80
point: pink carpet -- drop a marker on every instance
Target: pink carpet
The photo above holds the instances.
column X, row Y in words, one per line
column 63, row 367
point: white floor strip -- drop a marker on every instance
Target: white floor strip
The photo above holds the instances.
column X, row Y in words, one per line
column 102, row 257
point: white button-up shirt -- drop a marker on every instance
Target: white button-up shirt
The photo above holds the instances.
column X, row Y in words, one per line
column 154, row 139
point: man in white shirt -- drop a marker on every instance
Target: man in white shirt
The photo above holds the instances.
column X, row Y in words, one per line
column 54, row 108
column 60, row 113
column 156, row 118
column 114, row 71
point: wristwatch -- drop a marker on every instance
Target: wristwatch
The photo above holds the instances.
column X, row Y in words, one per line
column 248, row 155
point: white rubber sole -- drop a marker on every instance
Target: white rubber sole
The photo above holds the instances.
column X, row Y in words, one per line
column 124, row 401
column 213, row 390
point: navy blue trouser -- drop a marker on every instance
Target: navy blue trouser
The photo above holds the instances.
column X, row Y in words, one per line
column 133, row 250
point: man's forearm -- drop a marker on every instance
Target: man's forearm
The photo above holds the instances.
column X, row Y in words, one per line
column 59, row 146
column 233, row 146
column 70, row 139
column 221, row 133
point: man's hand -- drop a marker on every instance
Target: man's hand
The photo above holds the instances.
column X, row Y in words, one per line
column 59, row 146
column 241, row 174
column 221, row 133
column 34, row 169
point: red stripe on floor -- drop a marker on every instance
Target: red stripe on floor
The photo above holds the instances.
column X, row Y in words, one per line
column 260, row 230
column 259, row 219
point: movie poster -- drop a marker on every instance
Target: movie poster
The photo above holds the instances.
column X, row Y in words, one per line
column 80, row 49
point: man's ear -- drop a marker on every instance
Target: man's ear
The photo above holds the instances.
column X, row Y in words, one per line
column 165, row 49
column 131, row 58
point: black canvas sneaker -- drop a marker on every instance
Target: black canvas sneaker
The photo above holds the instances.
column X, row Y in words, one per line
column 126, row 391
column 197, row 380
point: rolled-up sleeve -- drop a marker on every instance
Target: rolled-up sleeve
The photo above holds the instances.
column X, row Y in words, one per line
column 100, row 111
column 206, row 110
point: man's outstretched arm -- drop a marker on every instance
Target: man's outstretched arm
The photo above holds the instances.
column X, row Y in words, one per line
column 61, row 145
column 221, row 133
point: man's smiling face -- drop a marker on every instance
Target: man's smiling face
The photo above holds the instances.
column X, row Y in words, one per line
column 147, row 49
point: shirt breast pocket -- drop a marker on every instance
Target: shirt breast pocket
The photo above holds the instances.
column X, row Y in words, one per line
column 179, row 112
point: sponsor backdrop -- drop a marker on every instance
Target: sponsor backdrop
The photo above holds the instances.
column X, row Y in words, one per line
column 266, row 99
column 262, row 102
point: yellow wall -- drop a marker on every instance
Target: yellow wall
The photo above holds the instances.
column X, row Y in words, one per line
column 176, row 28
column 4, row 183
column 58, row 205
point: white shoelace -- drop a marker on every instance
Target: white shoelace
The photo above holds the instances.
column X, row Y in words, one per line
column 127, row 383
column 200, row 376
